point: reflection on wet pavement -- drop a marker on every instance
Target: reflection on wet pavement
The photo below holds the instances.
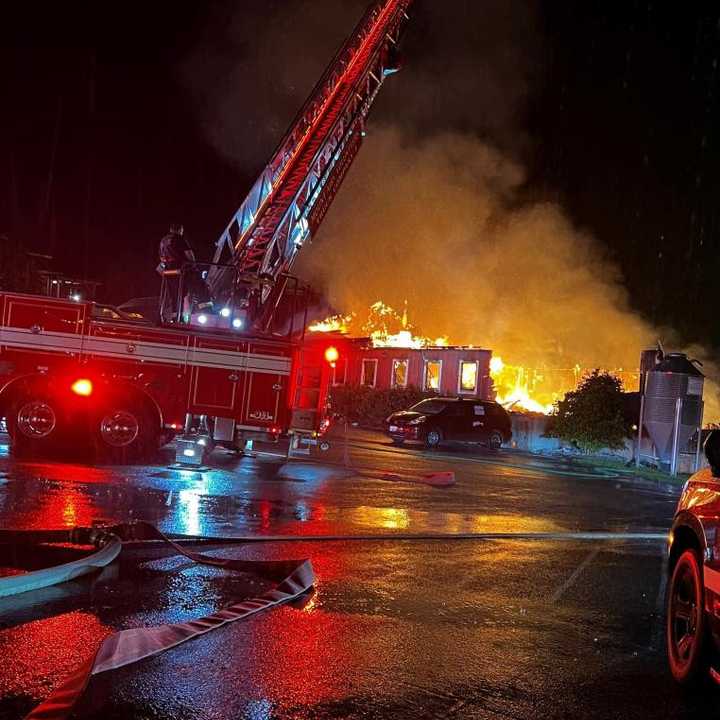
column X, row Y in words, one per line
column 267, row 496
column 394, row 629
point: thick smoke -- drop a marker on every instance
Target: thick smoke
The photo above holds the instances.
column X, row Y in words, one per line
column 440, row 222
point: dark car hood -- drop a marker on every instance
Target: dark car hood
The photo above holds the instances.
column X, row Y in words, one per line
column 404, row 416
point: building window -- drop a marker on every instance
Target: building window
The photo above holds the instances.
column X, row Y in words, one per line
column 468, row 376
column 369, row 371
column 339, row 372
column 433, row 368
column 399, row 373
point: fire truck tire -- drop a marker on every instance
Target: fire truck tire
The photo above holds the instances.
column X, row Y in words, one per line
column 125, row 432
column 434, row 437
column 35, row 423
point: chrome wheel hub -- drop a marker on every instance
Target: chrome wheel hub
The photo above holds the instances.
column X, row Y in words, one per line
column 36, row 420
column 119, row 428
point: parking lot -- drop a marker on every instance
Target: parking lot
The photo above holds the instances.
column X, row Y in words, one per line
column 400, row 624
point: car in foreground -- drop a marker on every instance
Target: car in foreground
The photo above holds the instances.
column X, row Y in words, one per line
column 446, row 419
column 693, row 593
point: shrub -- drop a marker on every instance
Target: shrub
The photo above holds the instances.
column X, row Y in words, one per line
column 370, row 406
column 591, row 416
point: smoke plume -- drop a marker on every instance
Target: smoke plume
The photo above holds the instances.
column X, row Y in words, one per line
column 441, row 222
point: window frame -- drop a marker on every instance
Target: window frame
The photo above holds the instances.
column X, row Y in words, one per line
column 374, row 361
column 462, row 391
column 425, row 383
column 335, row 382
column 393, row 384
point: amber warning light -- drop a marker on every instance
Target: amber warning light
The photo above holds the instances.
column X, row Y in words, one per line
column 82, row 387
column 332, row 355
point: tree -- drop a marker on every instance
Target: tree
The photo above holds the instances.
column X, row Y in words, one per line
column 591, row 416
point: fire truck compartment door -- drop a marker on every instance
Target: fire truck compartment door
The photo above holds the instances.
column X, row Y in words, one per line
column 264, row 399
column 42, row 325
column 218, row 377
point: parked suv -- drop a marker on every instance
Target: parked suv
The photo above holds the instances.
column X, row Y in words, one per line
column 443, row 419
column 693, row 596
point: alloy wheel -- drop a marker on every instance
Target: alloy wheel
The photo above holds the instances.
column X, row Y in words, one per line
column 683, row 616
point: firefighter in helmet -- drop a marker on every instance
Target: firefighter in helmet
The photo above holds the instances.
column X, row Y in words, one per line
column 180, row 275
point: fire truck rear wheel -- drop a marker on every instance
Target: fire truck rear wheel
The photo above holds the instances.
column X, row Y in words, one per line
column 34, row 424
column 124, row 433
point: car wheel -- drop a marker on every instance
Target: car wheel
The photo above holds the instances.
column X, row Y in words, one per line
column 125, row 433
column 495, row 440
column 34, row 424
column 434, row 437
column 397, row 441
column 687, row 642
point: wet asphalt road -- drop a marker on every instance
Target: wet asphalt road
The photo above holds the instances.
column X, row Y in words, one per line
column 401, row 629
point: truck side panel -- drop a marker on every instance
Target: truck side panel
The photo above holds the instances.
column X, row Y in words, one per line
column 38, row 334
column 153, row 359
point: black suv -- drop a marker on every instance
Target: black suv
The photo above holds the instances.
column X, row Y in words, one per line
column 439, row 420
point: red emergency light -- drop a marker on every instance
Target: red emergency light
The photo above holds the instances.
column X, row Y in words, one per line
column 83, row 387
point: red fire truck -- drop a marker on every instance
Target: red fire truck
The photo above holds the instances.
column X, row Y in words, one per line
column 76, row 373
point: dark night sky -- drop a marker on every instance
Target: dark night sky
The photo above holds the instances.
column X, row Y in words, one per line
column 613, row 107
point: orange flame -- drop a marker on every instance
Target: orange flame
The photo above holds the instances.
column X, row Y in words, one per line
column 384, row 326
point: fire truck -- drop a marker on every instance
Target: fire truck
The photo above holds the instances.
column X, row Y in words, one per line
column 79, row 374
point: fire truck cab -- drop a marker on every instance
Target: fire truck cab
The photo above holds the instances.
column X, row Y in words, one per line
column 69, row 377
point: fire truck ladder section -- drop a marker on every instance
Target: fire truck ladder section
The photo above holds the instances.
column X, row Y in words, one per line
column 290, row 198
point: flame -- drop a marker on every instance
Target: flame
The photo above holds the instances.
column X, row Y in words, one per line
column 538, row 389
column 384, row 326
column 334, row 323
column 514, row 385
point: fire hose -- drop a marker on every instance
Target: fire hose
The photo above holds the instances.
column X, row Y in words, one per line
column 292, row 579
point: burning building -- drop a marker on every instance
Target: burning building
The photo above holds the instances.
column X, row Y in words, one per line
column 392, row 354
column 388, row 352
column 444, row 369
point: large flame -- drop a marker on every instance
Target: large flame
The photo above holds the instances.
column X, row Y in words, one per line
column 514, row 386
column 538, row 389
column 384, row 326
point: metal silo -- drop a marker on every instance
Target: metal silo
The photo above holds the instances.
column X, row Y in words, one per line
column 673, row 397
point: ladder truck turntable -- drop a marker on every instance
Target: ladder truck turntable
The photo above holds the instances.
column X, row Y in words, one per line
column 76, row 373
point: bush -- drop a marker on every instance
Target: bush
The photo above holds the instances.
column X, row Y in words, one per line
column 591, row 417
column 370, row 406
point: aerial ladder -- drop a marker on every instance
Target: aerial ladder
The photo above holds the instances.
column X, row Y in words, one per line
column 288, row 201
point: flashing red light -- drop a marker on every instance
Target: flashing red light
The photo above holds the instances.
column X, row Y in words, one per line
column 83, row 387
column 332, row 355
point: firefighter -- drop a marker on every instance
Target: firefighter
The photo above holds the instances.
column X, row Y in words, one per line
column 177, row 268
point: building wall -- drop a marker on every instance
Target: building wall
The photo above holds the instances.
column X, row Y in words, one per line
column 382, row 371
